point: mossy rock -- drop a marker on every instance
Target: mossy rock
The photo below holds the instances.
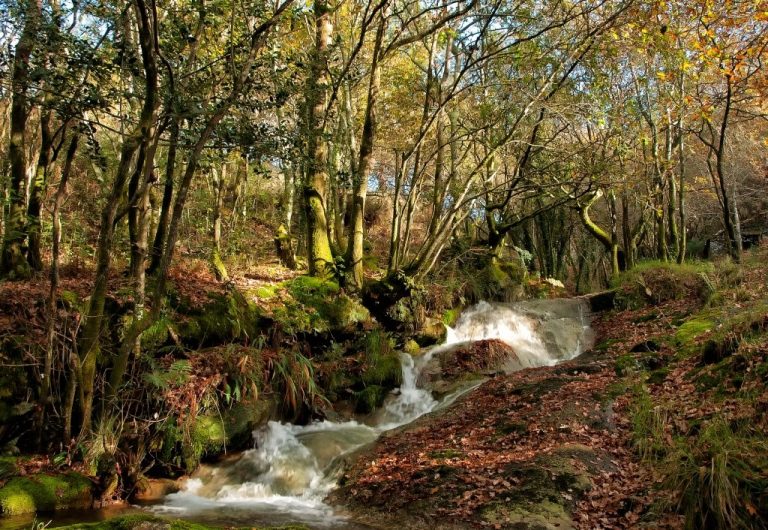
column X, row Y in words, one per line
column 450, row 316
column 654, row 282
column 228, row 317
column 319, row 305
column 548, row 490
column 432, row 332
column 213, row 434
column 411, row 347
column 397, row 302
column 45, row 493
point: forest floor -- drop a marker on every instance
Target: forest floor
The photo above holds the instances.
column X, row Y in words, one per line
column 591, row 443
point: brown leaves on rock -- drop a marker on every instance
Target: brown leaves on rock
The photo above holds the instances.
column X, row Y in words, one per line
column 477, row 357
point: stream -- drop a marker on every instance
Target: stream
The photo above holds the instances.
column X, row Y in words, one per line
column 292, row 468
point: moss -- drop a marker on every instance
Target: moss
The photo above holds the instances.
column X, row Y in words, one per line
column 450, row 316
column 545, row 490
column 512, row 427
column 658, row 376
column 411, row 347
column 692, row 329
column 69, row 299
column 208, row 435
column 318, row 305
column 625, row 365
column 42, row 493
column 385, row 370
column 265, row 292
column 226, row 318
column 370, row 398
column 156, row 335
column 8, row 466
column 444, row 454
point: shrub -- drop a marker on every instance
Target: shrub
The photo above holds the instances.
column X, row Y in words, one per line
column 720, row 477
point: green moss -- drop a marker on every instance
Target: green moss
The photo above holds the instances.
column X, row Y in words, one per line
column 626, row 364
column 42, row 493
column 318, row 305
column 383, row 370
column 411, row 347
column 69, row 299
column 156, row 335
column 658, row 376
column 692, row 329
column 444, row 454
column 544, row 491
column 450, row 316
column 226, row 318
column 208, row 435
column 370, row 398
column 265, row 292
column 8, row 466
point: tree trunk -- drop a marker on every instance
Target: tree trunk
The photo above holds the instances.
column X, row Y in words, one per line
column 165, row 207
column 315, row 187
column 219, row 269
column 37, row 191
column 13, row 263
column 356, row 228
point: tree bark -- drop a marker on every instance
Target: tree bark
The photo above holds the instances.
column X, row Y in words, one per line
column 13, row 263
column 356, row 228
column 319, row 252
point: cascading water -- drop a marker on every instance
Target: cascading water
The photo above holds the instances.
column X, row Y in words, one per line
column 292, row 468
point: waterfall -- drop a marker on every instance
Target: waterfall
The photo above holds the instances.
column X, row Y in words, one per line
column 292, row 468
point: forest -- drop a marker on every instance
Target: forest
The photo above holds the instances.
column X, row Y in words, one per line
column 252, row 244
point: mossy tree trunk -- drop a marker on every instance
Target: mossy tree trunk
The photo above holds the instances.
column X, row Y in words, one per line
column 610, row 243
column 37, row 191
column 356, row 226
column 219, row 184
column 319, row 252
column 13, row 262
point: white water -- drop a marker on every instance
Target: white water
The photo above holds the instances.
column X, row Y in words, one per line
column 292, row 468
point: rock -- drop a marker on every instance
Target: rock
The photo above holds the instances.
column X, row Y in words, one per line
column 432, row 332
column 455, row 366
column 45, row 493
column 396, row 301
column 646, row 346
column 151, row 490
column 603, row 301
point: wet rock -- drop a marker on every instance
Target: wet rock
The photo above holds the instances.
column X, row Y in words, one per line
column 151, row 490
column 646, row 346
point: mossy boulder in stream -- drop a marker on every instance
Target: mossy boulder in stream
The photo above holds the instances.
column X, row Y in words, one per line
column 45, row 493
column 215, row 433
